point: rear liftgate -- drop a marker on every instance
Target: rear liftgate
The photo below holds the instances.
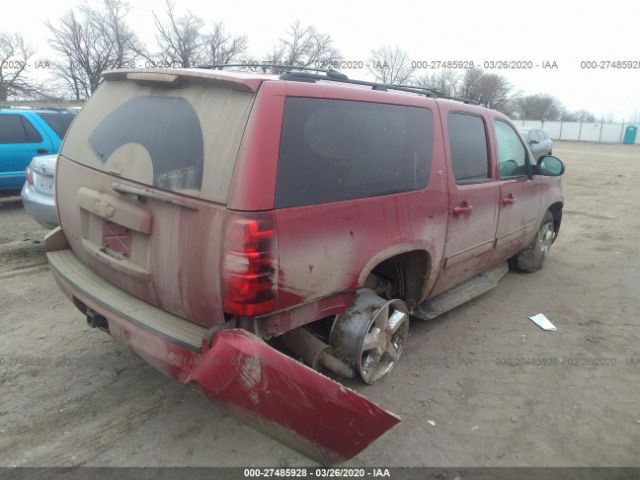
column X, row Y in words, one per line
column 288, row 400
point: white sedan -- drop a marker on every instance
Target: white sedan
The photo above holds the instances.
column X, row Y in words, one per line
column 38, row 192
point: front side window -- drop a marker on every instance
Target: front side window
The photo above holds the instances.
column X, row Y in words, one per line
column 333, row 150
column 512, row 155
column 468, row 144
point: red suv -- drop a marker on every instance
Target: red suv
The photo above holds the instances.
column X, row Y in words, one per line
column 231, row 227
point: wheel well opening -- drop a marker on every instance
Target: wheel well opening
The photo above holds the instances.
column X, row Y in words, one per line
column 402, row 276
column 556, row 211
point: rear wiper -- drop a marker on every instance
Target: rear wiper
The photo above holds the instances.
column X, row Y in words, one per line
column 143, row 194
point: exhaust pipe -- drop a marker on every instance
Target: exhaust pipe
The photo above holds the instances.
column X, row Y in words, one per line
column 314, row 352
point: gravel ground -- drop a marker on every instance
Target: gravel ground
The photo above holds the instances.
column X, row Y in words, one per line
column 481, row 385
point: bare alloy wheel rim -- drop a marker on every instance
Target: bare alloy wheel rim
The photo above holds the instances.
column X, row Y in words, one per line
column 384, row 342
column 546, row 238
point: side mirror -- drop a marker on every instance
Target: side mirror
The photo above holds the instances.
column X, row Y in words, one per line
column 550, row 166
column 533, row 142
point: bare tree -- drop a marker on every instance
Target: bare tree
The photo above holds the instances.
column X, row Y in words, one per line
column 540, row 106
column 89, row 42
column 70, row 79
column 304, row 46
column 179, row 38
column 488, row 89
column 391, row 65
column 578, row 116
column 112, row 17
column 445, row 81
column 222, row 47
column 608, row 117
column 15, row 54
column 275, row 56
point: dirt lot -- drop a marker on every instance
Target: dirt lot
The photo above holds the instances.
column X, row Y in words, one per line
column 72, row 396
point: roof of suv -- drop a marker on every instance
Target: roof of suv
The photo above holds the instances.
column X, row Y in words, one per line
column 248, row 80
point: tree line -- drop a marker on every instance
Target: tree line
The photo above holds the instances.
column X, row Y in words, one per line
column 89, row 39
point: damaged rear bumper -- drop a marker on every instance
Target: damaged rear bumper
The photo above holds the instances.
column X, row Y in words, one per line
column 268, row 390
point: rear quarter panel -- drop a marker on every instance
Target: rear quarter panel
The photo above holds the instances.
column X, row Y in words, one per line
column 329, row 248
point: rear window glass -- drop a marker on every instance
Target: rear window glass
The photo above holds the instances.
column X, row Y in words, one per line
column 185, row 140
column 334, row 150
column 59, row 122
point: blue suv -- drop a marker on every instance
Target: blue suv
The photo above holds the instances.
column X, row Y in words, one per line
column 25, row 134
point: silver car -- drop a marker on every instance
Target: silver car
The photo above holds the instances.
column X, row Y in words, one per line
column 538, row 140
column 38, row 192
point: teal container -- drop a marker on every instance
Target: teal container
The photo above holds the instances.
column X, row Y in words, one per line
column 630, row 134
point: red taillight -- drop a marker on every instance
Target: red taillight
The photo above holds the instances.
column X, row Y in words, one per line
column 249, row 270
column 29, row 176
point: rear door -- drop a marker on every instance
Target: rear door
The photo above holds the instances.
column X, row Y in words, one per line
column 19, row 143
column 142, row 184
column 473, row 197
column 519, row 193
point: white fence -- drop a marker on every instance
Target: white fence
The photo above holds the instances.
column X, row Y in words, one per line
column 582, row 131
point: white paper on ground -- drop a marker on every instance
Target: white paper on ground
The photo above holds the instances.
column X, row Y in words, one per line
column 543, row 322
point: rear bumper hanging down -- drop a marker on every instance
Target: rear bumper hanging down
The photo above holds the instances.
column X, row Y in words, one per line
column 265, row 388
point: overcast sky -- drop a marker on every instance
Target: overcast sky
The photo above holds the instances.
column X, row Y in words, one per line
column 564, row 32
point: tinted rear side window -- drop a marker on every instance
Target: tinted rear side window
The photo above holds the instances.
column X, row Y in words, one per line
column 334, row 150
column 59, row 122
column 468, row 142
column 15, row 129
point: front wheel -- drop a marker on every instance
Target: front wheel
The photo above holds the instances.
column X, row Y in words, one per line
column 532, row 258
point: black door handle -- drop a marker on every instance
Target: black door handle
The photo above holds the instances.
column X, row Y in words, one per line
column 42, row 150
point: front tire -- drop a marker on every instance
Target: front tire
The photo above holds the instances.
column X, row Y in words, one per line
column 532, row 258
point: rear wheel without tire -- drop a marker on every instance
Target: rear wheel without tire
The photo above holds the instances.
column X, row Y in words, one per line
column 532, row 258
column 371, row 335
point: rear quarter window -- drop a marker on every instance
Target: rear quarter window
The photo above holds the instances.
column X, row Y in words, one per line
column 334, row 150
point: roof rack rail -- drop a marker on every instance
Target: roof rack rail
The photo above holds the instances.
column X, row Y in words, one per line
column 310, row 74
column 428, row 92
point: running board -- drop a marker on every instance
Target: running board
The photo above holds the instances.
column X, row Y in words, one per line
column 475, row 286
